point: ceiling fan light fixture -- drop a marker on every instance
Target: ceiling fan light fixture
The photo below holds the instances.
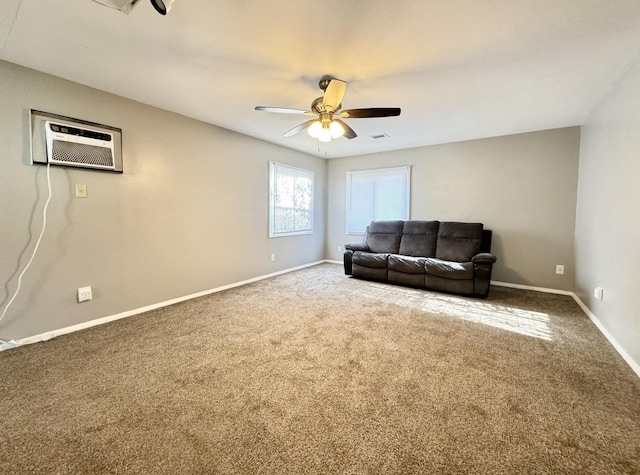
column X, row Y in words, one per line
column 325, row 135
column 315, row 129
column 336, row 129
column 325, row 132
column 162, row 6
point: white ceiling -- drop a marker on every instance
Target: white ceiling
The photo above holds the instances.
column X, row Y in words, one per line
column 459, row 69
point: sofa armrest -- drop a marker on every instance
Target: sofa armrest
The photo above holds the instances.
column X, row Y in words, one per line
column 348, row 262
column 357, row 247
column 482, row 265
column 483, row 258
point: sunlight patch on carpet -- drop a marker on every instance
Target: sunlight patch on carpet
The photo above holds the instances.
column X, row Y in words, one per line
column 517, row 320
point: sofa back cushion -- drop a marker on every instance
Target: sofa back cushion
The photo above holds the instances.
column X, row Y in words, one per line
column 458, row 242
column 419, row 238
column 384, row 236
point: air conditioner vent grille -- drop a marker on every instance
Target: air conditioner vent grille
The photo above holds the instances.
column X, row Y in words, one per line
column 76, row 153
column 85, row 147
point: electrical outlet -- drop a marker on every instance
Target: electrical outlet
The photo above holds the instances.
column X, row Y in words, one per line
column 84, row 294
column 81, row 191
column 339, row 248
column 273, row 257
column 559, row 269
column 598, row 293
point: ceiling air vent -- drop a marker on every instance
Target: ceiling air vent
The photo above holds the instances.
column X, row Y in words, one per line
column 380, row 136
column 125, row 6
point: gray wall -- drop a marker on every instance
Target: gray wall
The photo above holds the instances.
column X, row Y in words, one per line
column 189, row 214
column 607, row 224
column 523, row 187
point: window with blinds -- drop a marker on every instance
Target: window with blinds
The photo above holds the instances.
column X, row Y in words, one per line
column 380, row 194
column 290, row 200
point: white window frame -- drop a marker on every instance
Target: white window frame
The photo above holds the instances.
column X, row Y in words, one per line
column 376, row 213
column 274, row 167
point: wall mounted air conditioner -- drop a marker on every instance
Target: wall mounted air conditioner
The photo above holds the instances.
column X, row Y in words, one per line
column 68, row 142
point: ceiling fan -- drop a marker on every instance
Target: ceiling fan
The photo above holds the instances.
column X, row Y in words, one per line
column 329, row 124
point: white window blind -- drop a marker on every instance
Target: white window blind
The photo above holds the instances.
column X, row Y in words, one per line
column 290, row 200
column 377, row 195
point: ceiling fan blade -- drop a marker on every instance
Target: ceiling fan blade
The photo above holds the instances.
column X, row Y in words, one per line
column 348, row 131
column 372, row 112
column 333, row 95
column 299, row 128
column 284, row 110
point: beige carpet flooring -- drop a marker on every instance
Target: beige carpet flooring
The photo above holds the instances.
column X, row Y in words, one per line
column 315, row 372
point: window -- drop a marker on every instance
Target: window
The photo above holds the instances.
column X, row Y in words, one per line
column 377, row 195
column 290, row 200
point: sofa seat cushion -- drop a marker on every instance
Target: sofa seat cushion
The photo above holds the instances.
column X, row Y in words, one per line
column 449, row 269
column 458, row 242
column 407, row 264
column 370, row 259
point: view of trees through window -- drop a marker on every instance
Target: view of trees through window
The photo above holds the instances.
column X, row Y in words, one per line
column 291, row 200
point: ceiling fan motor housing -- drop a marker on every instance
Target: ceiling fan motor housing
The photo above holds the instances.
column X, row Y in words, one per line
column 317, row 106
column 324, row 82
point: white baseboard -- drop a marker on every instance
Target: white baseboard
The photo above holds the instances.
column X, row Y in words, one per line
column 630, row 361
column 329, row 261
column 99, row 321
column 529, row 287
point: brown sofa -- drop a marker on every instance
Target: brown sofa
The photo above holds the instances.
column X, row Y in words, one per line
column 445, row 256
